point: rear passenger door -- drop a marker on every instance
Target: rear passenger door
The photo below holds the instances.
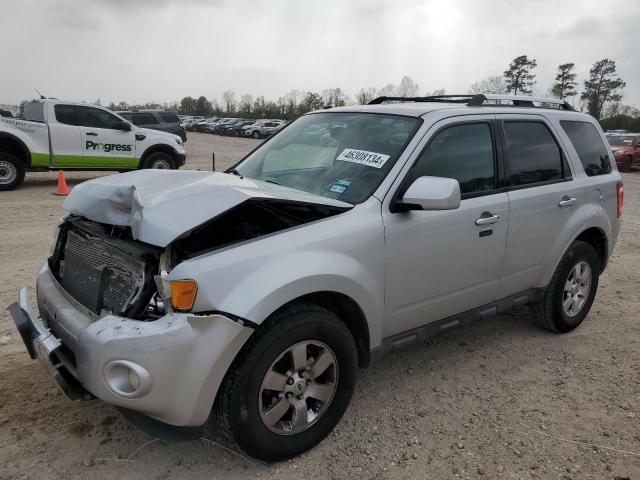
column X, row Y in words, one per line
column 64, row 132
column 543, row 199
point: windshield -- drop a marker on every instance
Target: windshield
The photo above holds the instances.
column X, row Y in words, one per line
column 620, row 140
column 343, row 156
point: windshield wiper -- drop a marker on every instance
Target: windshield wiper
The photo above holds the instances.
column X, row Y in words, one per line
column 269, row 180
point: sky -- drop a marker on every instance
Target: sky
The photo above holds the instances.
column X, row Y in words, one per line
column 162, row 50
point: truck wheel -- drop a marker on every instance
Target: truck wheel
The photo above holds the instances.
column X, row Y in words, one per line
column 256, row 134
column 571, row 291
column 11, row 171
column 159, row 160
column 626, row 164
column 290, row 385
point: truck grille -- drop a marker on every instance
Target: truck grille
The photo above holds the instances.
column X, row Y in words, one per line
column 101, row 276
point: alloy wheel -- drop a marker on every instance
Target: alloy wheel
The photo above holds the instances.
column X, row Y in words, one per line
column 576, row 289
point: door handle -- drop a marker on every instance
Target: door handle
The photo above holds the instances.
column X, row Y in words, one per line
column 487, row 219
column 91, row 134
column 566, row 201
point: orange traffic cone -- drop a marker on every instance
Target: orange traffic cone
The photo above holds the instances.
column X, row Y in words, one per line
column 62, row 184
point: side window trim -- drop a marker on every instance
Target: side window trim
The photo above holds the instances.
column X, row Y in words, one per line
column 567, row 176
column 497, row 160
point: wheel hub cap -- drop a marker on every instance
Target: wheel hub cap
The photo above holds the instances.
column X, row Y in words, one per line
column 298, row 387
column 7, row 172
column 576, row 289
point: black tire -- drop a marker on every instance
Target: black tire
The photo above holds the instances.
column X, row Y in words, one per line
column 236, row 411
column 12, row 171
column 155, row 159
column 549, row 313
column 255, row 134
column 626, row 164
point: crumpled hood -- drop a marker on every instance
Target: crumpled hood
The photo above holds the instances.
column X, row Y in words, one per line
column 161, row 205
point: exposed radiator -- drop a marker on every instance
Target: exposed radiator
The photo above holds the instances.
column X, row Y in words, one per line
column 99, row 275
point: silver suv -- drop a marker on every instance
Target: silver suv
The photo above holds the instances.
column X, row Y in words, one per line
column 245, row 301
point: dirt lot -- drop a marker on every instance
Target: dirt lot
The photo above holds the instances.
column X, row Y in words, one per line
column 491, row 401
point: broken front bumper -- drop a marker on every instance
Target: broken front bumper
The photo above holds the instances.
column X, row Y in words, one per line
column 178, row 361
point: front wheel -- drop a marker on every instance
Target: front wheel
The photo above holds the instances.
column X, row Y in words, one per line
column 572, row 289
column 291, row 386
column 626, row 164
column 11, row 171
column 160, row 161
column 256, row 134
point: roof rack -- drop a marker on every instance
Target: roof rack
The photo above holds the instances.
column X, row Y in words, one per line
column 482, row 99
column 431, row 98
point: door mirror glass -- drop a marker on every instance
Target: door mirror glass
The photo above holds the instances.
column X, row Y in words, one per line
column 124, row 126
column 432, row 193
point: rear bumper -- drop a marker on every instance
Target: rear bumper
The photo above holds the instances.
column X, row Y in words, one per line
column 181, row 358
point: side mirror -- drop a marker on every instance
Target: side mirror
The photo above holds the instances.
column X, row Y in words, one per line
column 124, row 126
column 431, row 193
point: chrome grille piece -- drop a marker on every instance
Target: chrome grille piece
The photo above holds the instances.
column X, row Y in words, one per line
column 99, row 275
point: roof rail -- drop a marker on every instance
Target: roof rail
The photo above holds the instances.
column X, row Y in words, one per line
column 483, row 99
column 518, row 101
column 431, row 98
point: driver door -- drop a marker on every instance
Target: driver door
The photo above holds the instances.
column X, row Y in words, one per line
column 442, row 263
column 104, row 145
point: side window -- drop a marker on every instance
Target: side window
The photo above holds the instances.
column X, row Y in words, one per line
column 169, row 117
column 462, row 152
column 533, row 154
column 592, row 151
column 97, row 118
column 144, row 119
column 67, row 114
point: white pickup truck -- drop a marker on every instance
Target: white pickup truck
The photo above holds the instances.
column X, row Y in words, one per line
column 53, row 134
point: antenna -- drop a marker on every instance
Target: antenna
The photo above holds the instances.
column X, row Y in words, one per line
column 42, row 97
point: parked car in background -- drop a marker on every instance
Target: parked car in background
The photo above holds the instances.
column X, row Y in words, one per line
column 626, row 149
column 162, row 120
column 235, row 128
column 204, row 125
column 223, row 124
column 262, row 128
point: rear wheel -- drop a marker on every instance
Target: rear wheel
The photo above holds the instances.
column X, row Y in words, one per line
column 159, row 160
column 291, row 386
column 12, row 171
column 626, row 164
column 571, row 291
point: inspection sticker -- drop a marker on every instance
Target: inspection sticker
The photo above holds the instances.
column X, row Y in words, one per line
column 370, row 159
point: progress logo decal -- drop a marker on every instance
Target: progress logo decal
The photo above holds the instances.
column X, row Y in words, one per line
column 107, row 147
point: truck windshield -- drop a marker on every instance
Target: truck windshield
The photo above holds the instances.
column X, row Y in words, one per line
column 343, row 156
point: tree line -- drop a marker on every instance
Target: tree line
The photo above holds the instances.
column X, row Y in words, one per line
column 601, row 95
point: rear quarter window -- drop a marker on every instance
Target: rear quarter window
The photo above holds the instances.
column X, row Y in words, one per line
column 593, row 153
column 169, row 117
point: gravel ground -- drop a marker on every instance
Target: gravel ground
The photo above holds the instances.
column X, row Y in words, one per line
column 501, row 399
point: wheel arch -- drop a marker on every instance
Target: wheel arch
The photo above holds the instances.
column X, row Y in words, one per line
column 159, row 147
column 12, row 144
column 597, row 238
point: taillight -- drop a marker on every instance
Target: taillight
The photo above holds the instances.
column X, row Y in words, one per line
column 620, row 198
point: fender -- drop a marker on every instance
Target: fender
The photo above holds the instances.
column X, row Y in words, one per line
column 19, row 141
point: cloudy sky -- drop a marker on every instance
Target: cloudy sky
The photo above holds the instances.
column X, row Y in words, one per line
column 162, row 50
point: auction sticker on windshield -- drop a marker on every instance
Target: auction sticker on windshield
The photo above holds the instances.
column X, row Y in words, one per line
column 370, row 159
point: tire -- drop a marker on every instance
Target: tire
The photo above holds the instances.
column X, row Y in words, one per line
column 626, row 164
column 550, row 313
column 12, row 171
column 255, row 134
column 159, row 160
column 244, row 408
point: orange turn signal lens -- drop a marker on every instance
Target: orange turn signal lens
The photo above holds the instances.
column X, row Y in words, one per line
column 183, row 293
